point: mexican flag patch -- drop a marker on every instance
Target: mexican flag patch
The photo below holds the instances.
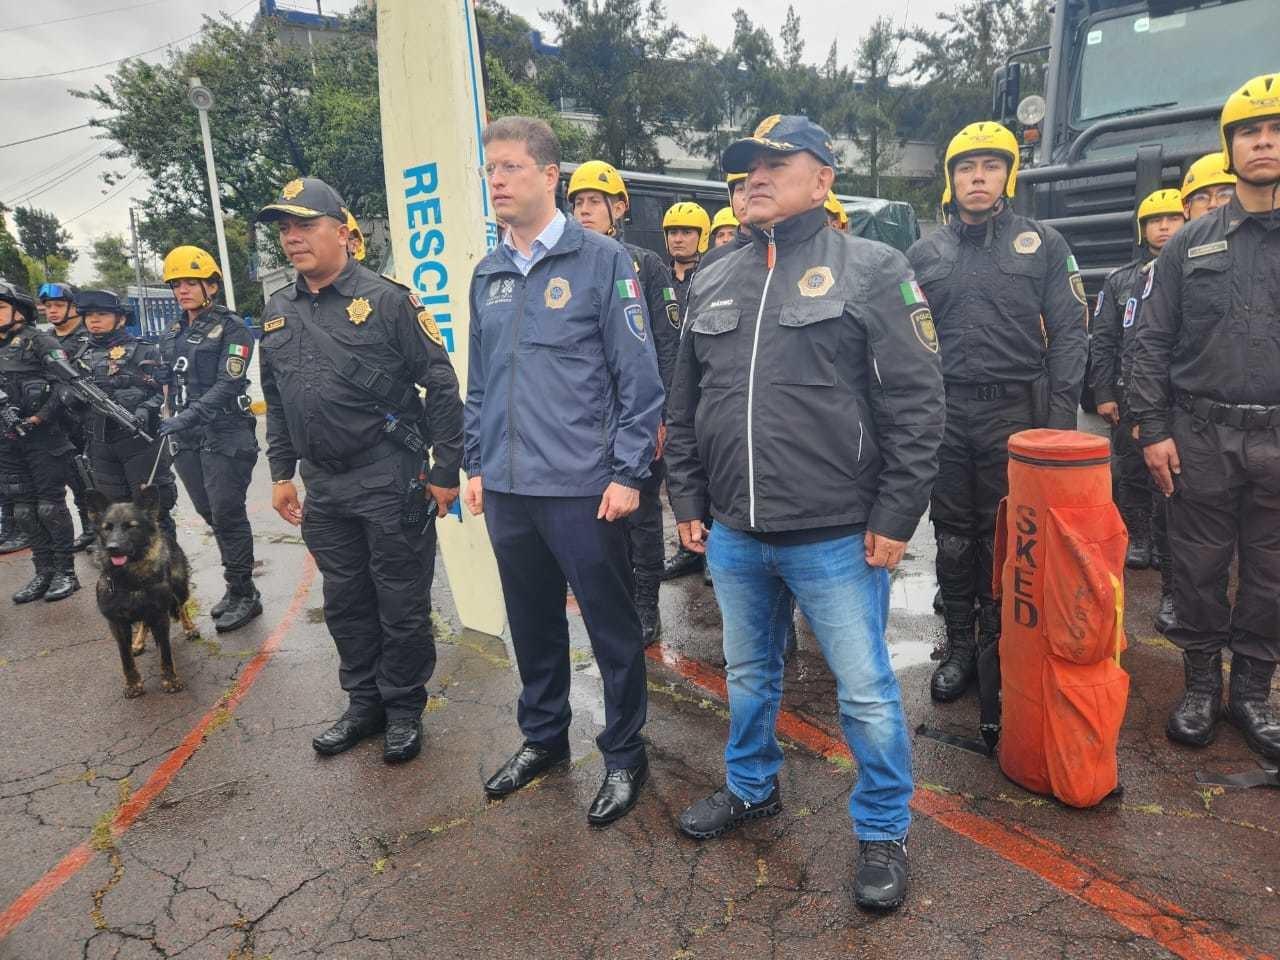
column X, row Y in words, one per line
column 628, row 290
column 1072, row 266
column 237, row 350
column 911, row 293
column 668, row 295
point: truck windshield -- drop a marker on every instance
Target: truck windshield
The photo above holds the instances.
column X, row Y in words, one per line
column 1189, row 59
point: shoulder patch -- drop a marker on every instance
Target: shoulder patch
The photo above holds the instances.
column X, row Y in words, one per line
column 1097, row 309
column 1077, row 289
column 926, row 332
column 673, row 314
column 235, row 367
column 1026, row 243
column 427, row 324
column 635, row 321
column 1130, row 311
column 275, row 323
column 816, row 282
column 1205, row 249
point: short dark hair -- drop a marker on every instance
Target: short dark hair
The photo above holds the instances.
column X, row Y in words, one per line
column 537, row 136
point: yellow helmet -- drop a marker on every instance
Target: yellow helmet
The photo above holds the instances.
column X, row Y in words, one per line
column 190, row 263
column 836, row 208
column 597, row 175
column 1209, row 171
column 1256, row 100
column 986, row 136
column 732, row 178
column 688, row 214
column 724, row 218
column 358, row 234
column 1160, row 203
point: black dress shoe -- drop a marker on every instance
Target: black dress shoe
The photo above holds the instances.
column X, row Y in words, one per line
column 346, row 733
column 682, row 564
column 724, row 810
column 525, row 765
column 403, row 740
column 618, row 794
column 881, row 878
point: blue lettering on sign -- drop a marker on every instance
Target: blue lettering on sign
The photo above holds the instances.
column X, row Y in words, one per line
column 425, row 218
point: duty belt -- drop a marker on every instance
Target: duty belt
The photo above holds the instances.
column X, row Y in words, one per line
column 1240, row 416
column 383, row 449
column 986, row 391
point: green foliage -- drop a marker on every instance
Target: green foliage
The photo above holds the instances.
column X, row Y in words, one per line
column 113, row 264
column 505, row 97
column 42, row 236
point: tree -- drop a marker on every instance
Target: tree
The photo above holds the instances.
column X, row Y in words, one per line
column 42, row 236
column 617, row 63
column 113, row 264
column 879, row 109
column 505, row 96
column 11, row 266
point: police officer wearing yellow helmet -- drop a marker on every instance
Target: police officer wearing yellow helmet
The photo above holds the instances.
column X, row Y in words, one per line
column 356, row 246
column 1205, row 392
column 724, row 227
column 598, row 200
column 1207, row 186
column 837, row 216
column 206, row 355
column 1009, row 306
column 687, row 230
column 1159, row 217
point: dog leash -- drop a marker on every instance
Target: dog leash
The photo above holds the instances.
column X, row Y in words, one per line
column 156, row 465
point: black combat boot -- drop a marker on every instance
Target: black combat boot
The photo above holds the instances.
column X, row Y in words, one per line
column 960, row 666
column 1164, row 613
column 1137, row 517
column 219, row 608
column 682, row 564
column 647, row 607
column 11, row 538
column 63, row 583
column 245, row 604
column 37, row 587
column 1194, row 720
column 1249, row 709
column 86, row 537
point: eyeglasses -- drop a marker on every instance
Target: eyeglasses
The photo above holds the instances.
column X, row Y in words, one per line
column 506, row 169
column 1222, row 194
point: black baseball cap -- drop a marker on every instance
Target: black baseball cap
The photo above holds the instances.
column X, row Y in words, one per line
column 780, row 134
column 307, row 198
column 99, row 301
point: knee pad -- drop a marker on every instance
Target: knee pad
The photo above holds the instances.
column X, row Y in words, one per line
column 25, row 516
column 54, row 515
column 956, row 553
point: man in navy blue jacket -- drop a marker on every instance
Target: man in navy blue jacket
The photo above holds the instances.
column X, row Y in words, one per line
column 562, row 410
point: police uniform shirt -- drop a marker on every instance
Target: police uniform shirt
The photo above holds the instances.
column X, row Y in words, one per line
column 1009, row 304
column 1111, row 319
column 24, row 373
column 1210, row 318
column 682, row 286
column 75, row 342
column 215, row 349
column 315, row 414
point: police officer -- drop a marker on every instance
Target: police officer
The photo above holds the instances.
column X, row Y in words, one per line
column 1009, row 305
column 1205, row 393
column 598, row 198
column 564, row 399
column 130, row 372
column 1207, row 186
column 687, row 230
column 206, row 357
column 58, row 300
column 35, row 454
column 1159, row 216
column 355, row 238
column 724, row 227
column 342, row 352
column 837, row 215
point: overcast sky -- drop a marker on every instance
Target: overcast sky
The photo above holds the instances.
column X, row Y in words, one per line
column 61, row 173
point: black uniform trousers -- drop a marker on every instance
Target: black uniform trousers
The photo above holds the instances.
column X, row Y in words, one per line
column 74, row 430
column 33, row 478
column 215, row 467
column 377, row 581
column 645, row 526
column 542, row 544
column 1139, row 500
column 122, row 466
column 1227, row 498
column 973, row 477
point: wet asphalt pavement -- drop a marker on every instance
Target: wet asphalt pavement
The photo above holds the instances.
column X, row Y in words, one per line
column 202, row 825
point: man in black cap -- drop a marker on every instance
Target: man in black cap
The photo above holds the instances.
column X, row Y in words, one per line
column 805, row 416
column 34, row 452
column 343, row 353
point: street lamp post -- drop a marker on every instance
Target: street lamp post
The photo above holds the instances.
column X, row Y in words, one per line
column 202, row 100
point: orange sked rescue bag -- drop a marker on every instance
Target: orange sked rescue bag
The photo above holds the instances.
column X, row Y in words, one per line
column 1060, row 548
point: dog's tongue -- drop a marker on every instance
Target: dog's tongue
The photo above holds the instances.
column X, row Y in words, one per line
column 119, row 561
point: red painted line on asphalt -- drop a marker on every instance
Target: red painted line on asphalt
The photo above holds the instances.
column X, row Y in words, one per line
column 75, row 861
column 1143, row 913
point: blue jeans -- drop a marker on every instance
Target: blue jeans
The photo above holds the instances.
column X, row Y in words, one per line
column 847, row 604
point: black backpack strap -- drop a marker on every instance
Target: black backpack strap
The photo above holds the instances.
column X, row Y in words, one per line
column 374, row 382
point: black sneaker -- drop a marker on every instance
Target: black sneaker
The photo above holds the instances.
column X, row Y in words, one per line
column 881, row 877
column 724, row 810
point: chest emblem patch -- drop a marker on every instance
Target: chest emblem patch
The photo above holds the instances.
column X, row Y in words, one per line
column 816, row 282
column 557, row 294
column 359, row 310
column 116, row 353
column 1026, row 243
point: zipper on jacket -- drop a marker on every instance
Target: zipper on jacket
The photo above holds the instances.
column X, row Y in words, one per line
column 771, row 258
column 511, row 390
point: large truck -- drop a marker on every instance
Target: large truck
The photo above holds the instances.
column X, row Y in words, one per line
column 1131, row 98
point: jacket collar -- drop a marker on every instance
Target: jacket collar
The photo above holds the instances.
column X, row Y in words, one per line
column 498, row 260
column 1234, row 216
column 344, row 284
column 794, row 230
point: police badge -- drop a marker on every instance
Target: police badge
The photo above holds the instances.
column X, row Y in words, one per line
column 359, row 310
column 116, row 352
column 557, row 293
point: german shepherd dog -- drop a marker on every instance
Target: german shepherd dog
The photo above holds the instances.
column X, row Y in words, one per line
column 143, row 584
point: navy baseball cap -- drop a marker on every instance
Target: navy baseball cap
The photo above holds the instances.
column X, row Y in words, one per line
column 99, row 301
column 780, row 134
column 307, row 198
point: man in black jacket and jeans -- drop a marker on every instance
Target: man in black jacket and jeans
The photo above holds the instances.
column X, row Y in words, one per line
column 806, row 413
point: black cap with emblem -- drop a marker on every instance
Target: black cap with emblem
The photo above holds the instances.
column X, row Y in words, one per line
column 780, row 134
column 305, row 197
column 100, row 301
